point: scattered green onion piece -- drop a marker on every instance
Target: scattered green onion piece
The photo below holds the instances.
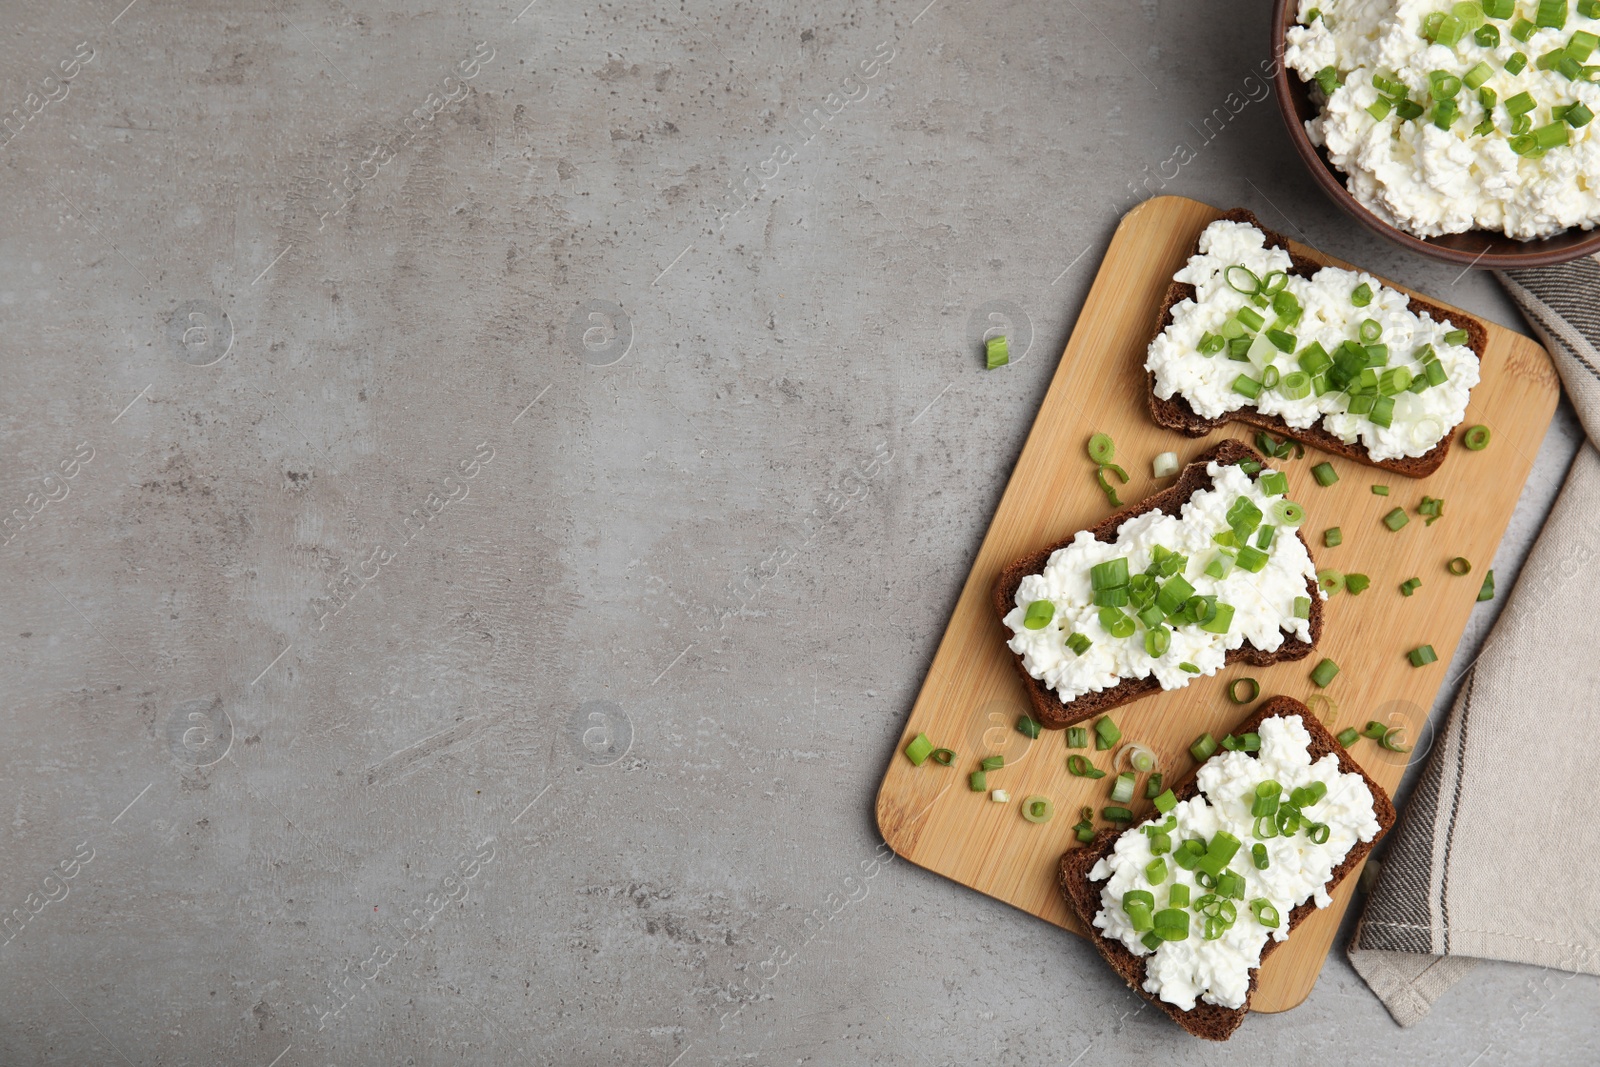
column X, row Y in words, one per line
column 1258, row 856
column 1487, row 36
column 1188, row 668
column 1122, row 791
column 1101, row 448
column 1247, row 282
column 1105, row 485
column 1476, row 439
column 1361, row 296
column 1157, row 640
column 1265, row 535
column 1265, row 828
column 1078, row 643
column 1165, row 801
column 1265, row 913
column 1327, row 79
column 1521, row 104
column 992, row 763
column 1165, row 465
column 1302, row 607
column 1486, row 590
column 1410, row 586
column 1250, row 742
column 1396, row 519
column 1374, row 730
column 1247, row 386
column 1522, row 29
column 1422, row 656
column 1155, row 872
column 1252, row 559
column 1233, row 695
column 1552, row 14
column 1273, row 483
column 1480, row 73
column 1504, row 9
column 996, row 353
column 1330, row 581
column 1082, row 768
column 1323, row 673
column 1203, row 748
column 1210, row 344
column 1152, row 787
column 1324, row 474
column 1332, row 537
column 1250, row 319
column 1028, row 726
column 1106, row 734
column 1589, row 9
column 1380, row 490
column 1039, row 614
column 1221, row 622
column 1037, row 809
column 1077, row 737
column 1356, row 584
column 1270, row 378
column 1517, row 63
column 979, row 782
column 1113, row 813
column 919, row 749
column 1288, row 513
column 1458, row 566
column 1451, row 30
column 1578, row 115
column 1394, row 739
column 944, row 757
column 1347, row 737
column 1160, row 842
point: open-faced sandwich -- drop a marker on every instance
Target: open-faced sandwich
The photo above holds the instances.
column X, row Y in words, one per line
column 1250, row 332
column 1206, row 572
column 1186, row 905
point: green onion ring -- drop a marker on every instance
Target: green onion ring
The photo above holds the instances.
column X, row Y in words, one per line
column 1459, row 566
column 1330, row 581
column 1037, row 809
column 1395, row 740
column 1233, row 690
column 1274, row 282
column 1255, row 282
column 942, row 756
column 1476, row 439
column 1101, row 448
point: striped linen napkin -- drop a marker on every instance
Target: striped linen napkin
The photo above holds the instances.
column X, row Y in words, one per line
column 1497, row 855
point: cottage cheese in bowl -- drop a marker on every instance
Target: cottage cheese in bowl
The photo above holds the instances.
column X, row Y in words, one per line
column 1447, row 117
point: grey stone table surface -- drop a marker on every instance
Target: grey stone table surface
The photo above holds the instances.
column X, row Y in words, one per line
column 431, row 637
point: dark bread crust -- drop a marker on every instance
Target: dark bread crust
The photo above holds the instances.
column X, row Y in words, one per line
column 1212, row 1021
column 1048, row 708
column 1176, row 414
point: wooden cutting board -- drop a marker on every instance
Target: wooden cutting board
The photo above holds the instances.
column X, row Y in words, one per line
column 972, row 697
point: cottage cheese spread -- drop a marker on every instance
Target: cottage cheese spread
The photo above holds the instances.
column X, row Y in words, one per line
column 1263, row 602
column 1419, row 421
column 1218, row 972
column 1428, row 180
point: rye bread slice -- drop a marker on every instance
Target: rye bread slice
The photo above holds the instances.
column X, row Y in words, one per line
column 1212, row 1021
column 1176, row 414
column 1048, row 708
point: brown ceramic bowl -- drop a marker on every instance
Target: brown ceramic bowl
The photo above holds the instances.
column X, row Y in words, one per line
column 1474, row 248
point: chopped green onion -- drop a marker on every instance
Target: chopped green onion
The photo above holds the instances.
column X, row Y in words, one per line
column 1476, row 439
column 1085, row 827
column 1105, row 485
column 1421, row 657
column 1410, row 586
column 1028, row 726
column 999, row 796
column 1266, row 799
column 996, row 353
column 1122, row 791
column 1332, row 537
column 1152, row 789
column 1380, row 490
column 1264, row 536
column 1221, row 622
column 1203, row 748
column 1330, row 581
column 1504, row 9
column 1578, row 115
column 919, row 749
column 1302, row 607
column 1210, row 344
column 1589, row 9
column 979, row 782
column 1188, row 668
column 1273, row 483
column 1459, row 566
column 1249, row 318
column 1165, row 465
column 1552, row 14
column 1374, row 730
column 1037, row 809
column 1039, row 614
column 1082, row 768
column 1101, row 448
column 1258, row 856
column 1518, row 61
column 1379, row 108
column 1077, row 737
column 1157, row 640
column 1347, row 737
column 1487, row 36
column 1382, row 413
column 1396, row 519
column 992, row 763
column 1247, row 282
column 1265, row 913
column 1288, row 513
column 1324, row 474
column 1451, row 30
column 1113, row 813
column 1521, row 104
column 1356, row 584
column 1106, row 734
column 1155, row 872
column 1327, row 79
column 1323, row 673
column 1522, row 29
column 1486, row 590
column 1480, row 73
column 1078, row 643
column 944, row 757
column 1445, row 113
column 1296, row 385
column 1252, row 559
column 1394, row 739
column 1270, row 378
column 1247, row 386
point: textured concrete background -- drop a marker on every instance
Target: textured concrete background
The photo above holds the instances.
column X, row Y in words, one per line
column 422, row 647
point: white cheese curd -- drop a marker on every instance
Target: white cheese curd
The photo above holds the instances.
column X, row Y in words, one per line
column 1419, row 421
column 1218, row 972
column 1429, row 181
column 1263, row 602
